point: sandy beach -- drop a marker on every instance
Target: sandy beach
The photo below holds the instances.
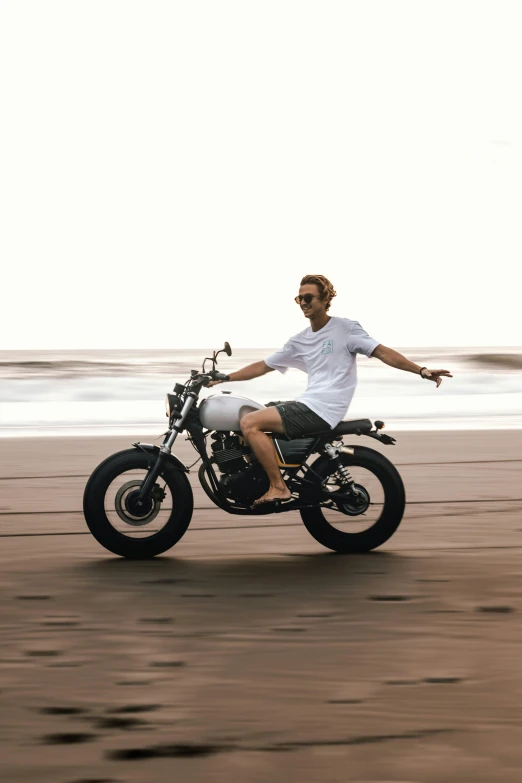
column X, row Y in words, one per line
column 250, row 651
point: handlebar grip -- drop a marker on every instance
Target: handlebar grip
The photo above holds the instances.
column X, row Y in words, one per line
column 220, row 376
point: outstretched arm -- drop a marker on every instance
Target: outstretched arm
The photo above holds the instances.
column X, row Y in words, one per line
column 396, row 359
column 247, row 373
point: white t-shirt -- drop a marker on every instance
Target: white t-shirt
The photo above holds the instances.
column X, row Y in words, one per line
column 328, row 356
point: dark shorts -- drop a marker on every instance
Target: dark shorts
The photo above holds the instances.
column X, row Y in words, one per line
column 299, row 420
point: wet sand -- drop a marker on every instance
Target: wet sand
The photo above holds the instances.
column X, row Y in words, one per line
column 248, row 650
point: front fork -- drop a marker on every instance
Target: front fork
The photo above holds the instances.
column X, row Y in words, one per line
column 165, row 451
column 150, row 479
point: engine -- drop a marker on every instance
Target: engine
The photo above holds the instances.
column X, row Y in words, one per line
column 229, row 452
column 243, row 479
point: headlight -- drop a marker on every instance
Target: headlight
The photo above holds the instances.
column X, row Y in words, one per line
column 172, row 403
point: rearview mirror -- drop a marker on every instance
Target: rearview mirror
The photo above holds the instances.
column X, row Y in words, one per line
column 228, row 349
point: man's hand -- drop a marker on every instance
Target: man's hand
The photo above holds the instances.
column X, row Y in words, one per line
column 436, row 375
column 213, row 383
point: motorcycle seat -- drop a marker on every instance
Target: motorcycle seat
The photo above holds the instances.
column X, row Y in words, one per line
column 351, row 427
column 354, row 427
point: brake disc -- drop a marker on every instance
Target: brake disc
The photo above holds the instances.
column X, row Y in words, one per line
column 127, row 510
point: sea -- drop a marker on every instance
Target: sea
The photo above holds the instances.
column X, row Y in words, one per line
column 106, row 392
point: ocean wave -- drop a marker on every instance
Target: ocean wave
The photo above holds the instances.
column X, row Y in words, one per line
column 72, row 369
column 503, row 361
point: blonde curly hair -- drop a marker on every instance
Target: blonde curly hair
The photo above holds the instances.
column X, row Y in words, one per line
column 326, row 289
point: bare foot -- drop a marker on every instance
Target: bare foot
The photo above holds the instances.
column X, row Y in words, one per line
column 274, row 493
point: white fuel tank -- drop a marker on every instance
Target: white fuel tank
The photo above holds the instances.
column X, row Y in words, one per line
column 224, row 411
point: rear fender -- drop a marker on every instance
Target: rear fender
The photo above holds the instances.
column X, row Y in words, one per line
column 154, row 451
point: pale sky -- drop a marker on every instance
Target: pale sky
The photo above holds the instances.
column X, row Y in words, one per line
column 170, row 170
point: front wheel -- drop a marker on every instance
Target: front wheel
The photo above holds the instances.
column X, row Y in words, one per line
column 363, row 520
column 122, row 525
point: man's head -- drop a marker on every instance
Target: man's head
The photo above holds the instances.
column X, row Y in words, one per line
column 316, row 293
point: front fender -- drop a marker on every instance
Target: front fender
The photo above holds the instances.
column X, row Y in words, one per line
column 153, row 450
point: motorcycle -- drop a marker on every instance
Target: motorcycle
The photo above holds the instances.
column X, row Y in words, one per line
column 138, row 503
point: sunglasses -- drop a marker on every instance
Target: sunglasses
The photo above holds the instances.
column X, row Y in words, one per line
column 306, row 298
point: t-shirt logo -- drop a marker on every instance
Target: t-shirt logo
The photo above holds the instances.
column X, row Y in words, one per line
column 327, row 346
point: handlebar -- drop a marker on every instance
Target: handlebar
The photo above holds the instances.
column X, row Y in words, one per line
column 212, row 375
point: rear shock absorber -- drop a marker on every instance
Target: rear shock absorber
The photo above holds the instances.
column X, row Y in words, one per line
column 333, row 450
column 345, row 478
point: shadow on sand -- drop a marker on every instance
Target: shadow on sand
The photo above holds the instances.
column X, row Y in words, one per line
column 318, row 575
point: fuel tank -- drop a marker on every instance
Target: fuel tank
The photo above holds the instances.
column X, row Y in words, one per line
column 224, row 411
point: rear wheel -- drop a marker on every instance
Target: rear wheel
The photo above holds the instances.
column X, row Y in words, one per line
column 124, row 526
column 360, row 520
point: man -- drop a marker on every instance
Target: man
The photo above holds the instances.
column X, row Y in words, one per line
column 326, row 350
